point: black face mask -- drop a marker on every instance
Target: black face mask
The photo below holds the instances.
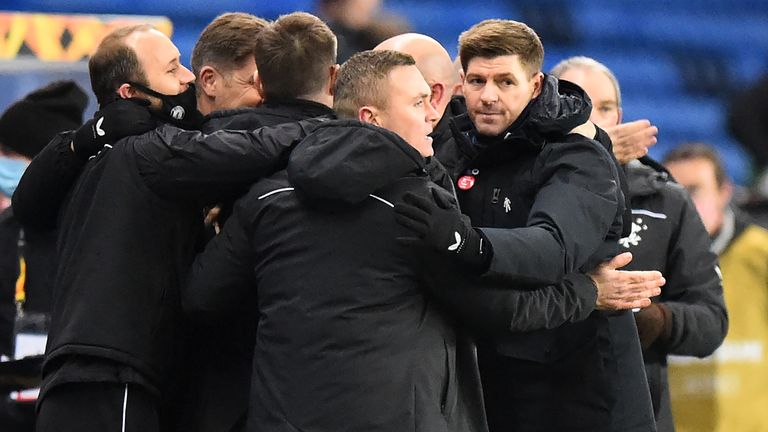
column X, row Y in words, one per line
column 179, row 110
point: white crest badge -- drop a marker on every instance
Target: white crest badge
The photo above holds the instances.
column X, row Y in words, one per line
column 177, row 112
column 633, row 239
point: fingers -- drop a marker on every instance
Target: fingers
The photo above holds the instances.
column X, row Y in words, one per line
column 443, row 198
column 643, row 139
column 627, row 129
column 409, row 242
column 638, row 277
column 632, row 140
column 618, row 304
column 412, row 219
column 619, row 261
column 414, row 226
column 418, row 202
column 624, row 305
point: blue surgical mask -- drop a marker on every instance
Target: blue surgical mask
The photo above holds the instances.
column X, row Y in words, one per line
column 11, row 171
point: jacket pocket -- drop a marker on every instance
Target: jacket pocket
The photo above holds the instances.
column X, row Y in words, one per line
column 448, row 400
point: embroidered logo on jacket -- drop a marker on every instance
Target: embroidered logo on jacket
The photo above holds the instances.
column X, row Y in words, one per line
column 634, row 237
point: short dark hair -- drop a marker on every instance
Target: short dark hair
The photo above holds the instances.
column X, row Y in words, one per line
column 227, row 42
column 495, row 37
column 362, row 80
column 294, row 55
column 115, row 63
column 692, row 151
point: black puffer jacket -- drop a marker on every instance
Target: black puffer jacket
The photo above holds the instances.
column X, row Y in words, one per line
column 564, row 189
column 667, row 235
column 348, row 339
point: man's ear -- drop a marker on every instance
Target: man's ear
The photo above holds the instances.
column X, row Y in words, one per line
column 259, row 85
column 332, row 75
column 367, row 114
column 438, row 95
column 538, row 83
column 126, row 91
column 621, row 113
column 208, row 80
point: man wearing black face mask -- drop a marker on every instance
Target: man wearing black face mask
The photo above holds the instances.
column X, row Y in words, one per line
column 128, row 232
column 179, row 110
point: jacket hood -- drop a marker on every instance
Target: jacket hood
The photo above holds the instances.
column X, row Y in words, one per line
column 561, row 106
column 344, row 161
column 645, row 179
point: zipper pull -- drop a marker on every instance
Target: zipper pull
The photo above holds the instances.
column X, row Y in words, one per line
column 495, row 196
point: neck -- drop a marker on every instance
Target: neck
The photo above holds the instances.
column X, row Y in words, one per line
column 724, row 233
column 205, row 104
column 321, row 98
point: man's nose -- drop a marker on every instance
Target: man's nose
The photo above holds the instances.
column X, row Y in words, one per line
column 432, row 114
column 489, row 94
column 186, row 76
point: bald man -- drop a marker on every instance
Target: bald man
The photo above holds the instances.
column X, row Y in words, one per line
column 435, row 64
column 432, row 60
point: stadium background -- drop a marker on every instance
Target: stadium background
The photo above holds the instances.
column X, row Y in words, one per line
column 678, row 61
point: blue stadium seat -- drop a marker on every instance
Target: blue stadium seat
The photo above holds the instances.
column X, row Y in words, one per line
column 443, row 22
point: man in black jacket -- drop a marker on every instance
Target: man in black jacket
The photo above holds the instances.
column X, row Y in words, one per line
column 517, row 164
column 223, row 59
column 689, row 318
column 344, row 322
column 128, row 233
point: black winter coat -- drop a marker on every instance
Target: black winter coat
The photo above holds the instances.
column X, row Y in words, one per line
column 221, row 349
column 564, row 191
column 668, row 236
column 347, row 338
column 129, row 231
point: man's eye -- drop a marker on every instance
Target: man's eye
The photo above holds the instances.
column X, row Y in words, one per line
column 420, row 103
column 508, row 83
column 475, row 81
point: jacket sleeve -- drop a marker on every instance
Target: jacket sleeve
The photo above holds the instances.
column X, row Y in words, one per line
column 221, row 278
column 45, row 184
column 693, row 292
column 191, row 165
column 494, row 308
column 573, row 212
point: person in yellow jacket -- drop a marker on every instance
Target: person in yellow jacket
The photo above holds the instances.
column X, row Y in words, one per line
column 727, row 391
